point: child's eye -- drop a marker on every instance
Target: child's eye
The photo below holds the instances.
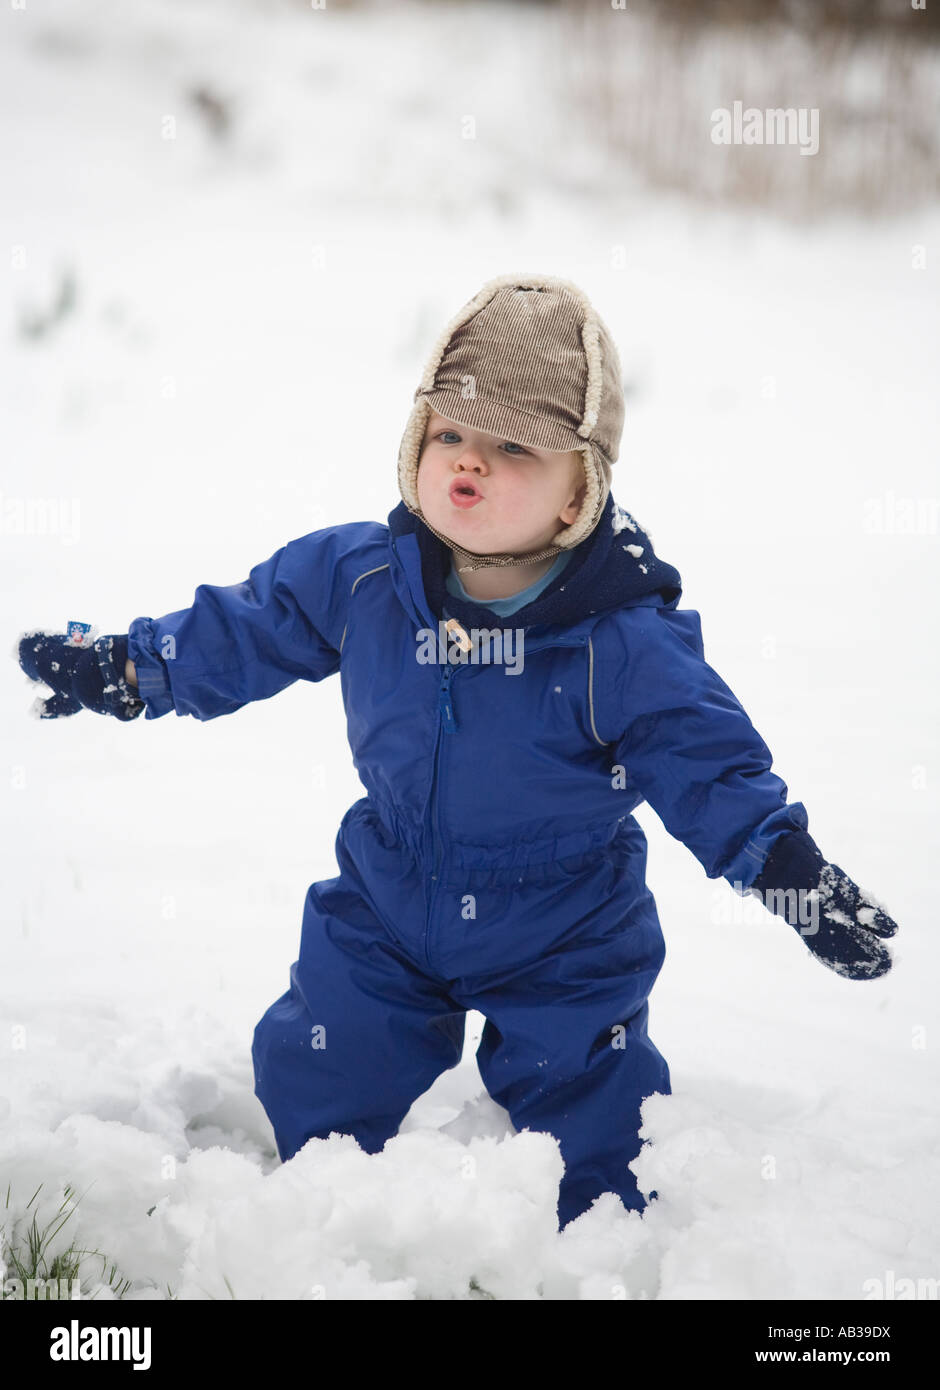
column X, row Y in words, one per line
column 507, row 444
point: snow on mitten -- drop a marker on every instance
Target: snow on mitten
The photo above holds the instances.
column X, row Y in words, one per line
column 841, row 923
column 83, row 674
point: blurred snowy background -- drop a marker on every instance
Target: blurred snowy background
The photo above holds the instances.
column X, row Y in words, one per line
column 228, row 225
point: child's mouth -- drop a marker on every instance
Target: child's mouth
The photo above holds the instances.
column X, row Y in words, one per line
column 464, row 495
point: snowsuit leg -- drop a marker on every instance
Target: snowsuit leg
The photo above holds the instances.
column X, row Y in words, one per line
column 566, row 1051
column 595, row 1116
column 359, row 1035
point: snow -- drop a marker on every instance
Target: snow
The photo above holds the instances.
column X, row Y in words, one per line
column 251, row 315
column 620, row 519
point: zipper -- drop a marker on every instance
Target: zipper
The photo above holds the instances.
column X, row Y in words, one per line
column 448, row 724
column 448, row 719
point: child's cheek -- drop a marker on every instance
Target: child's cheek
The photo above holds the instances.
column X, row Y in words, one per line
column 421, row 482
column 520, row 502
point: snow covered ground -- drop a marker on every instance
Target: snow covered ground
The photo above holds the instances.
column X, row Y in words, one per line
column 251, row 313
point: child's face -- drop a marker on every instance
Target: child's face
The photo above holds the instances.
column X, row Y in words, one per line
column 525, row 495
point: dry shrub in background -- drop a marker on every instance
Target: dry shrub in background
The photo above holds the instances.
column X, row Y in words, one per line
column 642, row 82
column 650, row 76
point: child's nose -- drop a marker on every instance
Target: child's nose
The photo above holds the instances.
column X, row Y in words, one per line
column 471, row 459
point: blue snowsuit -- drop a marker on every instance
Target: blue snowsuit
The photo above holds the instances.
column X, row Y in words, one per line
column 494, row 863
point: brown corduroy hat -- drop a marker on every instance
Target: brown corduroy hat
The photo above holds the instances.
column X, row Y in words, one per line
column 527, row 358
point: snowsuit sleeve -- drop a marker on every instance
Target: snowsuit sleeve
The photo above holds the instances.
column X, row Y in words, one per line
column 687, row 746
column 248, row 641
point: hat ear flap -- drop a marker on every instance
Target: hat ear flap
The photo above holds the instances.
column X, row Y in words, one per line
column 597, row 478
column 409, row 452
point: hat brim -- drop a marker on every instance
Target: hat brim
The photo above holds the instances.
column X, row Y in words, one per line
column 507, row 423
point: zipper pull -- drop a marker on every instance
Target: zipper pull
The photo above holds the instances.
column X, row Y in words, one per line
column 444, row 703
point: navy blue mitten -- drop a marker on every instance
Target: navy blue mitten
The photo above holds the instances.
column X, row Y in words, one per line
column 841, row 923
column 81, row 676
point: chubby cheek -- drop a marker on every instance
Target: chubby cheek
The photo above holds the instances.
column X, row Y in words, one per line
column 426, row 477
column 523, row 500
column 516, row 500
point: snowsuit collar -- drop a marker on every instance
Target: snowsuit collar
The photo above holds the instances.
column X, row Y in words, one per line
column 602, row 575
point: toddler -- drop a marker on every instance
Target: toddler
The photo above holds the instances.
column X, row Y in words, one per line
column 495, row 862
